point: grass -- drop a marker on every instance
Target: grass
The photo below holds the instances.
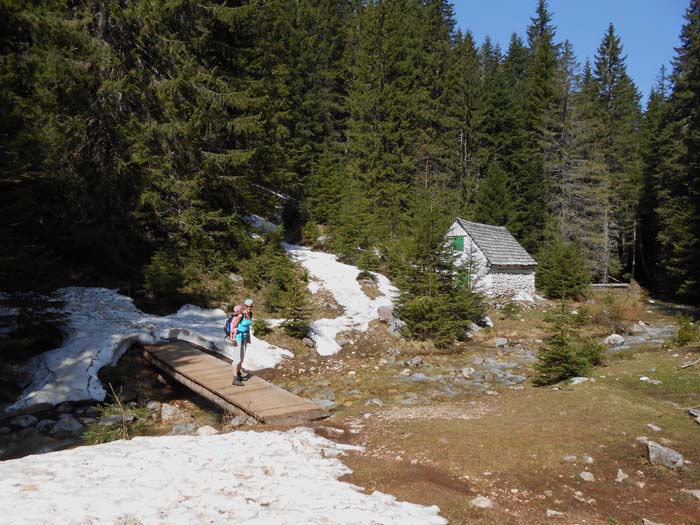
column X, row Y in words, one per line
column 520, row 441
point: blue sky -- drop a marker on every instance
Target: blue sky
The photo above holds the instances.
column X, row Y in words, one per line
column 648, row 29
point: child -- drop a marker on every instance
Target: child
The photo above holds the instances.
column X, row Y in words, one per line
column 234, row 323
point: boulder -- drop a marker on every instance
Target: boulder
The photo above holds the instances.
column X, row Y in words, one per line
column 614, row 340
column 45, row 425
column 385, row 313
column 667, row 457
column 169, row 412
column 414, row 361
column 24, row 421
column 66, row 426
column 206, row 430
column 468, row 372
column 481, row 502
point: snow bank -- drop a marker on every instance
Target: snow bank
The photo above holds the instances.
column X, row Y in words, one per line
column 102, row 326
column 341, row 280
column 241, row 477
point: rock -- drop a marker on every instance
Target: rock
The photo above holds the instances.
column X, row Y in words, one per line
column 579, row 380
column 487, row 321
column 206, row 430
column 33, row 409
column 414, row 361
column 654, row 427
column 309, row 342
column 418, row 376
column 474, row 328
column 385, row 313
column 238, row 421
column 468, row 372
column 251, row 421
column 325, row 403
column 621, row 476
column 374, row 402
column 645, row 379
column 64, row 407
column 636, row 330
column 406, row 372
column 154, row 406
column 169, row 412
column 393, row 351
column 45, row 425
column 481, row 502
column 587, row 459
column 614, row 340
column 24, row 421
column 501, row 342
column 642, row 439
column 554, row 514
column 183, row 429
column 693, row 412
column 344, row 342
column 667, row 457
column 695, row 493
column 569, row 459
column 66, row 426
column 649, row 522
column 587, row 476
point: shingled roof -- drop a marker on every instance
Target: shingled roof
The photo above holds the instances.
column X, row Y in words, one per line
column 498, row 245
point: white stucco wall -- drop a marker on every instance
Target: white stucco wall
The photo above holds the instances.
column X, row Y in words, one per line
column 493, row 282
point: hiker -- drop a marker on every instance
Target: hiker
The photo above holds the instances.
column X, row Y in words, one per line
column 241, row 325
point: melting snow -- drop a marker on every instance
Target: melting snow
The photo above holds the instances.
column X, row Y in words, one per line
column 241, row 477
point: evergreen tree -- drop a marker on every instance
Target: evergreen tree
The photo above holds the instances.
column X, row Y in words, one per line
column 618, row 104
column 679, row 176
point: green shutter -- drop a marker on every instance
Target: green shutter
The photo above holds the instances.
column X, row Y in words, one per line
column 458, row 243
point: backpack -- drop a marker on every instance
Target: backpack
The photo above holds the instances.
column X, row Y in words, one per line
column 227, row 326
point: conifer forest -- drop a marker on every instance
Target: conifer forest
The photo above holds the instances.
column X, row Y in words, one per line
column 137, row 132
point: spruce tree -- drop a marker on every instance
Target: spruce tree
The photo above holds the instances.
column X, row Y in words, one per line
column 679, row 176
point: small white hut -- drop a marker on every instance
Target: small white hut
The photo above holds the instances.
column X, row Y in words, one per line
column 498, row 265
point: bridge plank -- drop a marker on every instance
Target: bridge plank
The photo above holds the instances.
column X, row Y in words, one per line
column 211, row 378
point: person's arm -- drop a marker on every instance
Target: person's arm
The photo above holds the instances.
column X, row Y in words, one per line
column 234, row 325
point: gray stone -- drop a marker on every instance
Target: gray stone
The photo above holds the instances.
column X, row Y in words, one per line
column 238, row 421
column 487, row 321
column 154, row 406
column 569, row 459
column 468, row 372
column 649, row 522
column 396, row 326
column 614, row 340
column 325, row 403
column 501, row 342
column 474, row 328
column 667, row 457
column 45, row 425
column 251, row 421
column 206, row 430
column 654, row 427
column 587, row 476
column 309, row 342
column 374, row 401
column 183, row 429
column 418, row 376
column 636, row 330
column 621, row 476
column 66, row 426
column 169, row 412
column 344, row 342
column 414, row 361
column 64, row 407
column 554, row 514
column 24, row 421
column 481, row 502
column 393, row 351
column 385, row 313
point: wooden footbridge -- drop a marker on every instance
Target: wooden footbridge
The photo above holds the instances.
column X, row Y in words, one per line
column 211, row 378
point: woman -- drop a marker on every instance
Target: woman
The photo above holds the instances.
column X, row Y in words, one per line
column 241, row 327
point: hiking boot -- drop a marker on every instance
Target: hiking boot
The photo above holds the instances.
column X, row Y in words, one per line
column 246, row 375
column 237, row 381
column 242, row 378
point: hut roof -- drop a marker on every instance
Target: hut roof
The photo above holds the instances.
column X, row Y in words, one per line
column 497, row 244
